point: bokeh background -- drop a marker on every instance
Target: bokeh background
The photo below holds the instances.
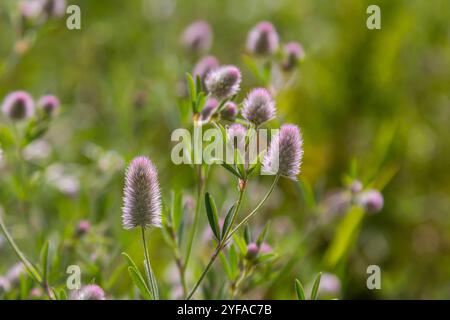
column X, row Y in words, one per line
column 372, row 104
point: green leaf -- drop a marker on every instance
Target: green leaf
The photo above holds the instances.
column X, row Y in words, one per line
column 130, row 261
column 138, row 280
column 226, row 266
column 44, row 261
column 299, row 290
column 263, row 234
column 200, row 102
column 231, row 169
column 227, row 221
column 61, row 294
column 315, row 288
column 211, row 211
column 247, row 234
column 233, row 261
column 153, row 284
column 192, row 91
column 240, row 242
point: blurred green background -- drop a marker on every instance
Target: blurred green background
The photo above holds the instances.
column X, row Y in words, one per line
column 377, row 98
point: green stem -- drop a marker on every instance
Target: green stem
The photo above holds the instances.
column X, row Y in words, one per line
column 198, row 205
column 228, row 236
column 179, row 261
column 148, row 266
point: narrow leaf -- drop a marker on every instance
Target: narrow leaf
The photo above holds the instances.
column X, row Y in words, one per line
column 315, row 288
column 299, row 290
column 140, row 283
column 211, row 211
column 227, row 221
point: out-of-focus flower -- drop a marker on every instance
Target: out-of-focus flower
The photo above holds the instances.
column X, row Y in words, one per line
column 259, row 107
column 223, row 82
column 371, row 200
column 294, row 53
column 208, row 109
column 83, row 227
column 110, row 161
column 197, row 37
column 252, row 250
column 30, row 9
column 37, row 150
column 265, row 248
column 36, row 293
column 263, row 39
column 14, row 273
column 63, row 179
column 54, row 8
column 236, row 135
column 356, row 186
column 49, row 104
column 142, row 195
column 330, row 285
column 5, row 286
column 18, row 105
column 229, row 111
column 89, row 292
column 204, row 66
column 285, row 152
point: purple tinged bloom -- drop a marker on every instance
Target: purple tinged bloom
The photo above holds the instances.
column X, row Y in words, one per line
column 229, row 111
column 204, row 66
column 236, row 135
column 265, row 248
column 294, row 53
column 371, row 200
column 197, row 37
column 329, row 285
column 285, row 152
column 54, row 8
column 263, row 39
column 49, row 104
column 89, row 292
column 223, row 82
column 83, row 227
column 259, row 107
column 30, row 9
column 209, row 109
column 356, row 187
column 142, row 195
column 18, row 105
column 252, row 250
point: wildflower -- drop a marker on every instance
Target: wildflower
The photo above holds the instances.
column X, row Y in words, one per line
column 89, row 292
column 330, row 285
column 83, row 227
column 197, row 37
column 54, row 8
column 18, row 105
column 142, row 195
column 265, row 248
column 223, row 82
column 252, row 250
column 371, row 200
column 356, row 187
column 285, row 152
column 204, row 66
column 49, row 104
column 209, row 109
column 259, row 107
column 263, row 39
column 294, row 53
column 5, row 286
column 37, row 150
column 229, row 111
column 30, row 9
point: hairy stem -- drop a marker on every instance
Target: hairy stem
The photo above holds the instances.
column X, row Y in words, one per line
column 147, row 265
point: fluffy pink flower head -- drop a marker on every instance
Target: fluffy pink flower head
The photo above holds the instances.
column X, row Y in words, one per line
column 285, row 152
column 294, row 53
column 208, row 109
column 252, row 250
column 49, row 104
column 89, row 292
column 330, row 285
column 83, row 227
column 18, row 105
column 259, row 107
column 197, row 37
column 204, row 66
column 223, row 82
column 30, row 9
column 263, row 39
column 236, row 135
column 229, row 111
column 371, row 200
column 142, row 195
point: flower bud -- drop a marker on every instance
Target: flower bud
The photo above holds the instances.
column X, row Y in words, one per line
column 197, row 37
column 83, row 227
column 252, row 250
column 229, row 111
column 89, row 292
column 371, row 200
column 204, row 66
column 223, row 82
column 49, row 104
column 259, row 107
column 263, row 39
column 208, row 109
column 18, row 105
column 294, row 53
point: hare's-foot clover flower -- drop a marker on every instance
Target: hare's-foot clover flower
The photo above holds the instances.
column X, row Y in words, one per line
column 294, row 53
column 223, row 82
column 263, row 39
column 89, row 292
column 229, row 111
column 18, row 105
column 197, row 37
column 285, row 152
column 204, row 66
column 142, row 195
column 259, row 107
column 208, row 109
column 371, row 200
column 49, row 104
